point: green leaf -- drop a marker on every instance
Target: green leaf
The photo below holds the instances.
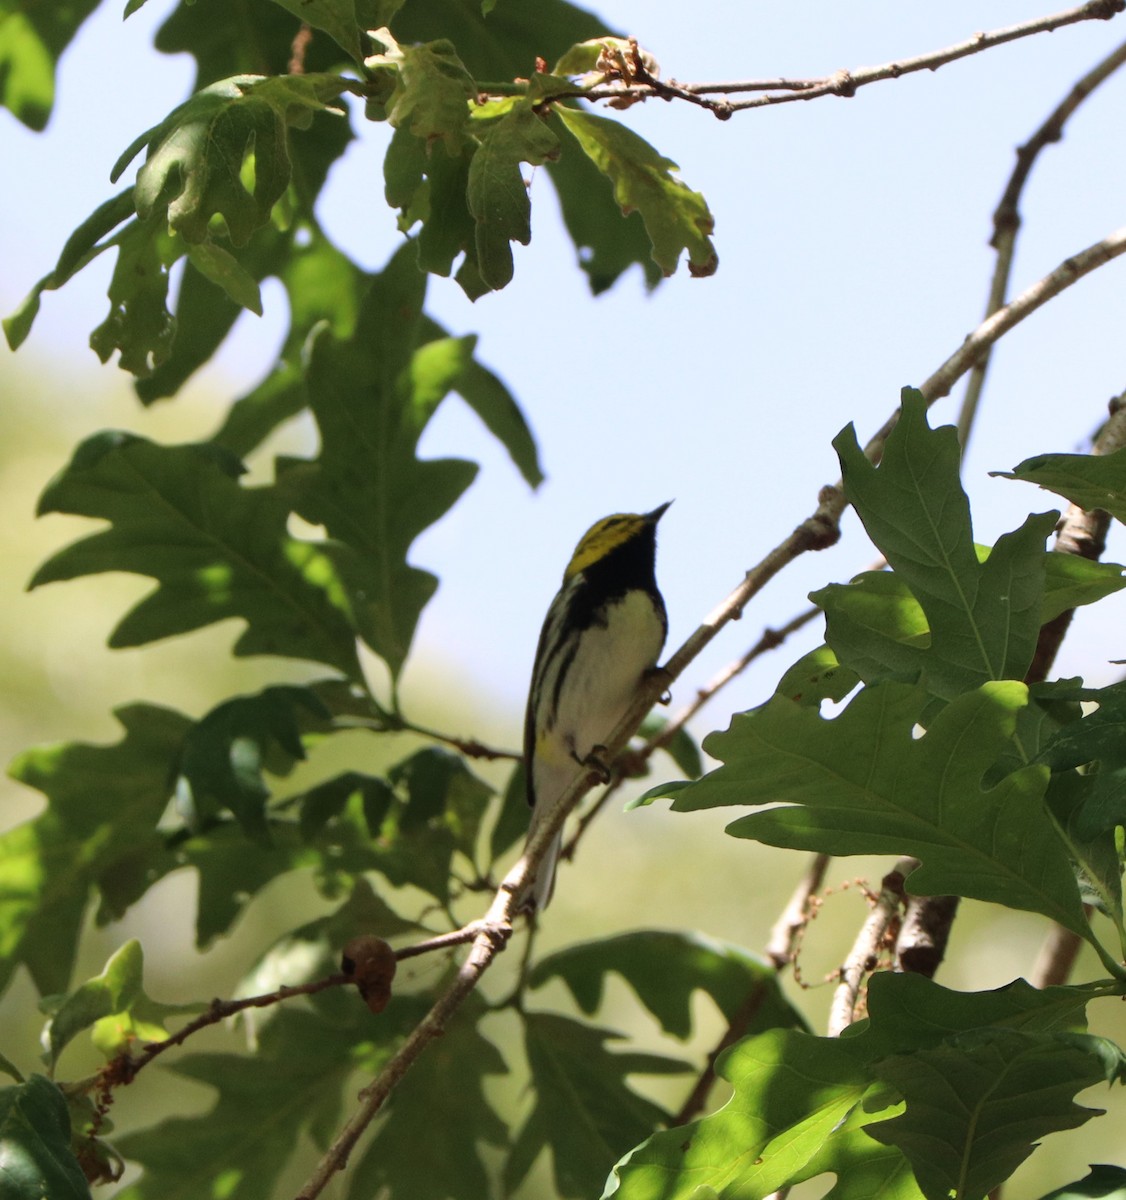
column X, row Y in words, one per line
column 429, row 90
column 32, row 39
column 1095, row 852
column 1091, row 481
column 497, row 194
column 264, row 1103
column 99, row 831
column 373, row 394
column 113, row 991
column 608, row 242
column 583, row 1109
column 197, row 164
column 440, row 787
column 682, row 749
column 817, row 676
column 294, row 250
column 36, row 1160
column 225, row 271
column 864, row 784
column 676, row 218
column 424, row 1102
column 882, row 629
column 791, row 1092
column 977, row 1105
column 1071, row 581
column 323, row 287
column 665, row 969
column 139, row 326
column 505, row 45
column 983, row 618
column 226, row 752
column 1101, row 1181
column 216, row 550
column 864, row 1169
column 494, row 404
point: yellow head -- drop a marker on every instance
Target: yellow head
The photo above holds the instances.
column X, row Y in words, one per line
column 607, row 535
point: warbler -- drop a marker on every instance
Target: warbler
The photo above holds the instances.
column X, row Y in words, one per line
column 602, row 634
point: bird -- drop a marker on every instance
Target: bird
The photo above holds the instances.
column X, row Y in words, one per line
column 603, row 633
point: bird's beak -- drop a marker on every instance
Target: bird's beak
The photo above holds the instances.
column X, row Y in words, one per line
column 657, row 513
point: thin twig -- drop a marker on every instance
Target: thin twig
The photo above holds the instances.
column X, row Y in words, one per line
column 1007, row 220
column 795, row 916
column 845, row 83
column 816, row 532
column 1056, row 958
column 738, row 1027
column 875, row 934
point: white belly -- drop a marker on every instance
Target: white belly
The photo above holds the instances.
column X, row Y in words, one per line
column 601, row 682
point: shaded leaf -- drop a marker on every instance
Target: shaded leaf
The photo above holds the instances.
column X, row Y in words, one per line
column 32, row 38
column 425, row 90
column 216, row 549
column 225, row 271
column 338, row 18
column 487, row 395
column 682, row 749
column 815, row 677
column 322, row 286
column 139, row 326
column 665, row 969
column 196, row 156
column 608, row 242
column 425, row 1102
column 36, row 1160
column 977, row 1105
column 373, row 394
column 497, row 195
column 512, row 820
column 583, row 1109
column 676, row 218
column 312, row 950
column 882, row 629
column 506, row 45
column 99, row 831
column 864, row 784
column 1101, row 1181
column 264, row 1103
column 226, row 752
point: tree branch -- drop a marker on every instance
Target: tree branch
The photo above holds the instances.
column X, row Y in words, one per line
column 1007, row 220
column 874, row 936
